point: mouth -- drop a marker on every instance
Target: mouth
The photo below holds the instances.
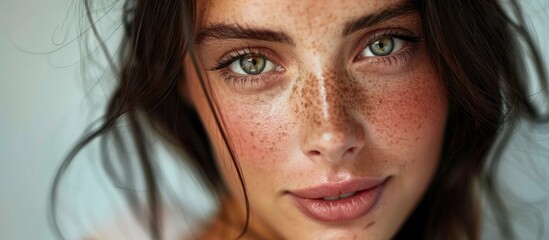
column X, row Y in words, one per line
column 342, row 201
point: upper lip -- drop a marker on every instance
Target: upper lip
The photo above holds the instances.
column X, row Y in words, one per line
column 338, row 188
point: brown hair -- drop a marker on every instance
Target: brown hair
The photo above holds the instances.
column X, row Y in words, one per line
column 474, row 45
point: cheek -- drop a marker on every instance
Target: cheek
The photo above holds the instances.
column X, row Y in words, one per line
column 404, row 113
column 405, row 129
column 410, row 115
column 259, row 131
column 404, row 119
column 410, row 122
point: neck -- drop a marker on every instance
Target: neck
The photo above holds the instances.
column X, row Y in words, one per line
column 230, row 223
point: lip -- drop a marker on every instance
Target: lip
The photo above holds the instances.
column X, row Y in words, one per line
column 368, row 192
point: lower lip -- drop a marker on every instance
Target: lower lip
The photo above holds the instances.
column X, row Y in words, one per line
column 346, row 209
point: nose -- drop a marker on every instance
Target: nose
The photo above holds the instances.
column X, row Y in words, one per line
column 331, row 145
column 329, row 132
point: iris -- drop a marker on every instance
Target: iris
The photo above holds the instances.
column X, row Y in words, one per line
column 382, row 47
column 253, row 64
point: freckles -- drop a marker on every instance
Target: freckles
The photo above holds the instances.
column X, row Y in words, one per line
column 259, row 134
column 305, row 101
column 317, row 47
column 343, row 97
column 397, row 116
column 320, row 100
column 399, row 113
column 355, row 96
column 395, row 110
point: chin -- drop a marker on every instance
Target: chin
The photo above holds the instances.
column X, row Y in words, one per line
column 365, row 228
column 367, row 232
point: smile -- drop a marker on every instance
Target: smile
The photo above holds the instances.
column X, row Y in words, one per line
column 343, row 201
column 343, row 196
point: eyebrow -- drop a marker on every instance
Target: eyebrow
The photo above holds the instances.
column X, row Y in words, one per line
column 221, row 31
column 398, row 10
column 234, row 31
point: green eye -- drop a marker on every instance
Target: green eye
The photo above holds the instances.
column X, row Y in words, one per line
column 382, row 47
column 253, row 65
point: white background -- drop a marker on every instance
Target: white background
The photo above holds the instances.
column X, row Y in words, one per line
column 45, row 105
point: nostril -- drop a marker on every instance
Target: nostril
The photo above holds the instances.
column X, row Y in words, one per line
column 331, row 143
column 351, row 150
column 314, row 153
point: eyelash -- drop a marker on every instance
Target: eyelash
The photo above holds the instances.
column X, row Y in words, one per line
column 243, row 80
column 237, row 79
column 411, row 40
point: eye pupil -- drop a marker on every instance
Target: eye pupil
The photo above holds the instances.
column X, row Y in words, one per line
column 382, row 47
column 252, row 64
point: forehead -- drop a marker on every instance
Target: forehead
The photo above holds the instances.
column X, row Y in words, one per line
column 291, row 15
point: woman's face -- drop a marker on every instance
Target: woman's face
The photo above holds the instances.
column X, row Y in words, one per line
column 333, row 110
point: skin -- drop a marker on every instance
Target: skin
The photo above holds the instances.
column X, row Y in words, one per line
column 321, row 116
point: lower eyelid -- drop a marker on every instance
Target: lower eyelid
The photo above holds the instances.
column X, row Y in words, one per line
column 249, row 82
column 388, row 63
column 404, row 44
